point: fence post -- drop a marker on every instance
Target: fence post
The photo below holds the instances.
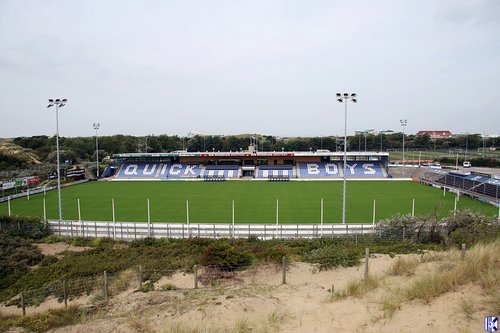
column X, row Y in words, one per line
column 195, row 274
column 23, row 306
column 464, row 248
column 283, row 269
column 105, row 290
column 367, row 256
column 140, row 276
column 65, row 293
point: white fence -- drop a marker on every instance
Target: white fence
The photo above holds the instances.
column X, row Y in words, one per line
column 139, row 230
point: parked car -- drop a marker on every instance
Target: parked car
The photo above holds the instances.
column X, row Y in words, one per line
column 467, row 164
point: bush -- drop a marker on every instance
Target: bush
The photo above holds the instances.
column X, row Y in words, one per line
column 225, row 256
column 407, row 228
column 16, row 255
column 469, row 228
column 48, row 260
column 334, row 256
column 23, row 226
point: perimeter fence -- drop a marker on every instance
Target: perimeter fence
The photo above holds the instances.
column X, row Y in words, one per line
column 129, row 231
column 133, row 230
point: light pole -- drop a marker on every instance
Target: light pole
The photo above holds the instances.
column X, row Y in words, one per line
column 96, row 127
column 466, row 145
column 58, row 103
column 381, row 136
column 403, row 124
column 344, row 98
column 358, row 134
column 365, row 134
column 484, row 144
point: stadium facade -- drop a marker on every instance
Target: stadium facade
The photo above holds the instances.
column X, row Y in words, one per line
column 251, row 164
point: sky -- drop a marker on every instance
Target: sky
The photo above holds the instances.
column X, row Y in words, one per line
column 248, row 66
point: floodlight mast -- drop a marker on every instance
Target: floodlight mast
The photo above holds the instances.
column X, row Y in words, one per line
column 58, row 103
column 403, row 122
column 344, row 98
column 382, row 132
column 96, row 127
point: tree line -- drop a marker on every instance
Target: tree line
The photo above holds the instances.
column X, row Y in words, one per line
column 84, row 148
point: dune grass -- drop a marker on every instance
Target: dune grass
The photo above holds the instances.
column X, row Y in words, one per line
column 357, row 288
column 403, row 266
column 481, row 265
column 53, row 318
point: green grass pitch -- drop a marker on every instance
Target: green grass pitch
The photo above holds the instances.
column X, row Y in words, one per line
column 255, row 202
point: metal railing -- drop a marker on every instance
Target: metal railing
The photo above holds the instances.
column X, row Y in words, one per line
column 140, row 230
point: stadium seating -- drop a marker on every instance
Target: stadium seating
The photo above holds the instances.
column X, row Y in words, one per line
column 473, row 183
column 165, row 171
column 360, row 169
column 267, row 171
column 159, row 171
column 109, row 172
column 225, row 171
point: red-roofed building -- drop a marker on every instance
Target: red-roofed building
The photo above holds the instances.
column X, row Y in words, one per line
column 436, row 134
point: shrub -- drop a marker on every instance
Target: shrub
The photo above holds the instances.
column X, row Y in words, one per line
column 23, row 226
column 469, row 228
column 334, row 256
column 48, row 260
column 225, row 256
column 16, row 255
column 415, row 229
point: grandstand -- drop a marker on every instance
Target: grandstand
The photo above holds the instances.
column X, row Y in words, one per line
column 362, row 169
column 247, row 165
column 475, row 184
column 157, row 171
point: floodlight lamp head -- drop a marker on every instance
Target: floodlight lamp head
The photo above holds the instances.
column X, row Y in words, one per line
column 340, row 100
column 353, row 95
column 339, row 95
column 354, row 100
column 51, row 100
column 346, row 95
column 50, row 105
column 58, row 100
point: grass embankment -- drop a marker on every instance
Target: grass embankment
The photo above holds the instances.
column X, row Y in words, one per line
column 255, row 202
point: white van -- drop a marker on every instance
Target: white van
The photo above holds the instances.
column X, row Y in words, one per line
column 467, row 164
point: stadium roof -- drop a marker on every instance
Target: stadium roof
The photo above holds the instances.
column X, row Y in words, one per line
column 247, row 153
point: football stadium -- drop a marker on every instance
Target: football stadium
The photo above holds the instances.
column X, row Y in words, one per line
column 261, row 189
